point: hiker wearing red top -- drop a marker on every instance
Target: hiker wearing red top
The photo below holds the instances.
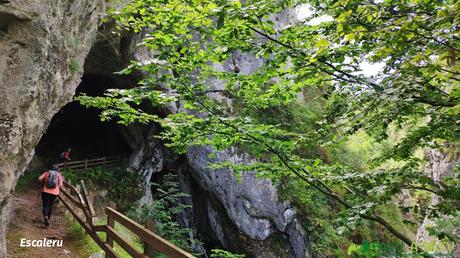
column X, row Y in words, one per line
column 52, row 181
column 65, row 156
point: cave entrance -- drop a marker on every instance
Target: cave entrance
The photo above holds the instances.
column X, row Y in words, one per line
column 80, row 128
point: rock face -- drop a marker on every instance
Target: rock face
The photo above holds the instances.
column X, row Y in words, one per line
column 148, row 155
column 43, row 45
column 440, row 164
column 225, row 212
column 250, row 204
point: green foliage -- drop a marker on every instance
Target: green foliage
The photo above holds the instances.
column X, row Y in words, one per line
column 445, row 227
column 421, row 201
column 399, row 220
column 123, row 187
column 330, row 227
column 84, row 242
column 415, row 41
column 358, row 151
column 26, row 180
column 80, row 239
column 218, row 253
column 322, row 224
column 167, row 205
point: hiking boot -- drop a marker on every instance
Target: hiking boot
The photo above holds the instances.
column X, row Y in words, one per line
column 47, row 223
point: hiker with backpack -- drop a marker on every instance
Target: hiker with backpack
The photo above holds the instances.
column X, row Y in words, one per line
column 52, row 181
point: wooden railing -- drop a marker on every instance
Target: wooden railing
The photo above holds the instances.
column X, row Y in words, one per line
column 91, row 163
column 77, row 202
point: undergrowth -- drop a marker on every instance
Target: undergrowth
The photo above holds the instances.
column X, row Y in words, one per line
column 166, row 206
column 329, row 236
column 123, row 187
column 27, row 180
column 80, row 239
column 83, row 241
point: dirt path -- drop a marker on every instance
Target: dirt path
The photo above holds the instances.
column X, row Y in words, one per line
column 28, row 223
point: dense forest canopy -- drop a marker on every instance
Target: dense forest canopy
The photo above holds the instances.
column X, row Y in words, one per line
column 309, row 94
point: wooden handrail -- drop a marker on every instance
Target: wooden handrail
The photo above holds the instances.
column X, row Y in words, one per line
column 123, row 243
column 89, row 205
column 152, row 241
column 88, row 229
column 72, row 199
column 91, row 163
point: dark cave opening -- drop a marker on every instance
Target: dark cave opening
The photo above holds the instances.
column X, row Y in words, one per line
column 80, row 128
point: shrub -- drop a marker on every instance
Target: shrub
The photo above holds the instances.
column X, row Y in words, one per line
column 167, row 205
column 123, row 187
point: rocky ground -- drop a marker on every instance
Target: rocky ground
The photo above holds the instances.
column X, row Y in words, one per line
column 27, row 223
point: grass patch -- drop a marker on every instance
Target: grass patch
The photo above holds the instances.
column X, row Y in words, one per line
column 80, row 240
column 83, row 241
column 127, row 235
column 74, row 65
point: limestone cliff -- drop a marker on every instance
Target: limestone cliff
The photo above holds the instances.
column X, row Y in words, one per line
column 440, row 163
column 43, row 45
column 229, row 212
column 244, row 216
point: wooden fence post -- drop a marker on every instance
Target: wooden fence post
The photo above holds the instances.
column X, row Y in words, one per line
column 86, row 164
column 73, row 205
column 89, row 217
column 91, row 207
column 148, row 250
column 153, row 244
column 110, row 223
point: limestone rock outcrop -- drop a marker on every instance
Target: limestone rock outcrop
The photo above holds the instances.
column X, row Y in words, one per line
column 440, row 163
column 226, row 211
column 248, row 211
column 43, row 45
column 251, row 204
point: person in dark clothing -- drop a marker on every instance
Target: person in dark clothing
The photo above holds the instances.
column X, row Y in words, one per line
column 52, row 182
column 65, row 156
